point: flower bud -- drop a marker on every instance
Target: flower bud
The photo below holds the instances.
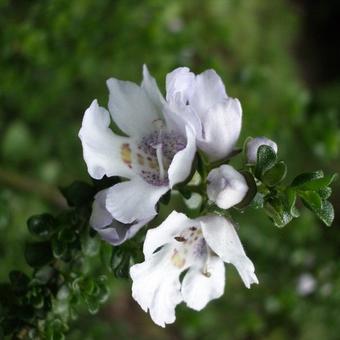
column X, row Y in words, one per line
column 254, row 144
column 226, row 186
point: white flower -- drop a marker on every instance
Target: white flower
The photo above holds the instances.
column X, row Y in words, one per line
column 226, row 186
column 154, row 157
column 199, row 246
column 253, row 145
column 202, row 100
column 306, row 284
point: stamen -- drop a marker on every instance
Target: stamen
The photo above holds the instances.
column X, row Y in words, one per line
column 159, row 154
column 205, row 271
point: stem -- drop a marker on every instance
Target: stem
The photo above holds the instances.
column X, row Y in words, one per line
column 45, row 191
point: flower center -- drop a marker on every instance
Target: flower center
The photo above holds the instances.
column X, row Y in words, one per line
column 155, row 154
column 190, row 247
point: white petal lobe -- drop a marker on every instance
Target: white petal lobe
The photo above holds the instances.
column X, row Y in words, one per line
column 131, row 108
column 133, row 200
column 222, row 238
column 154, row 293
column 101, row 147
column 198, row 288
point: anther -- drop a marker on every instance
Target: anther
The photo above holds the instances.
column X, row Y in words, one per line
column 180, row 239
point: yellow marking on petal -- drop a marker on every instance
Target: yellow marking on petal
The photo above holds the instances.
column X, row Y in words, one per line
column 125, row 153
column 140, row 159
column 177, row 259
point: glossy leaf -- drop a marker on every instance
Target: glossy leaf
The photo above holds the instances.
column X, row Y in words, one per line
column 266, row 159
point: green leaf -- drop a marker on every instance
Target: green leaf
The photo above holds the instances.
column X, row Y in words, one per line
column 325, row 213
column 78, row 193
column 276, row 174
column 325, row 192
column 312, row 199
column 67, row 235
column 38, row 254
column 266, row 159
column 90, row 245
column 290, row 202
column 318, row 183
column 43, row 274
column 306, row 177
column 59, row 248
column 251, row 191
column 277, row 212
column 19, row 281
column 41, row 225
column 258, row 201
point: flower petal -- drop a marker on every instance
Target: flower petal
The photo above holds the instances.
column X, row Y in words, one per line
column 133, row 200
column 107, row 227
column 222, row 238
column 226, row 186
column 131, row 108
column 222, row 127
column 101, row 147
column 165, row 232
column 181, row 164
column 198, row 289
column 209, row 90
column 179, row 84
column 155, row 291
column 149, row 85
column 100, row 217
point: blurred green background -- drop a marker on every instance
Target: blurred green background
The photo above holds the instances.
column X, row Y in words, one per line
column 280, row 58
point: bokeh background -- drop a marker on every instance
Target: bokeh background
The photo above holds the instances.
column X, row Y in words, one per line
column 280, row 58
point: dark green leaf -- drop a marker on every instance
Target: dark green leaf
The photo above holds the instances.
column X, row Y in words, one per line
column 306, row 177
column 44, row 274
column 258, row 201
column 276, row 174
column 318, row 183
column 90, row 245
column 19, row 281
column 325, row 213
column 325, row 192
column 67, row 235
column 78, row 193
column 277, row 212
column 59, row 248
column 266, row 159
column 38, row 254
column 41, row 225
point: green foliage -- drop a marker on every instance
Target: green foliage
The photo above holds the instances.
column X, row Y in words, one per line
column 56, row 57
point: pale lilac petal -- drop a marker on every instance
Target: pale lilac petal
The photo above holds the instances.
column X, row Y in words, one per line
column 221, row 128
column 179, row 85
column 209, row 90
column 149, row 85
column 107, row 227
column 131, row 108
column 181, row 165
